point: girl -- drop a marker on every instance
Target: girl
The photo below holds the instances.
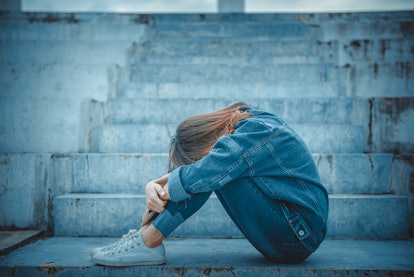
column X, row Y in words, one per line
column 262, row 173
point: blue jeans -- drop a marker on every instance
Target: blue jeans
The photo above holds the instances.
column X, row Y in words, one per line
column 265, row 222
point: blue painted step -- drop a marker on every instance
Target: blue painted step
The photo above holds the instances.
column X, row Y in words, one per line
column 229, row 50
column 365, row 188
column 155, row 138
column 213, row 257
column 247, row 51
column 49, row 51
column 201, row 73
column 129, row 173
column 347, row 124
column 256, row 30
column 85, row 30
column 233, row 90
column 352, row 216
column 344, row 110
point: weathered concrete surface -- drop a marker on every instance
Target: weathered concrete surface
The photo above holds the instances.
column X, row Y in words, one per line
column 129, row 173
column 347, row 124
column 114, row 214
column 351, row 216
column 213, row 257
column 403, row 181
column 10, row 240
column 73, row 83
column 52, row 65
column 51, row 59
column 24, row 190
column 32, row 184
column 106, row 173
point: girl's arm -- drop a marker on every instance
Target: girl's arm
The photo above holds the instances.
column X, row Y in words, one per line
column 229, row 159
column 162, row 180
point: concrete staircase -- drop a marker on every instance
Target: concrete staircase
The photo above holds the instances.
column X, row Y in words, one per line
column 363, row 202
column 88, row 103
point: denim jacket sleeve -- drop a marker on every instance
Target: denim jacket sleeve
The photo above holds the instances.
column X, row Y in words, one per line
column 227, row 161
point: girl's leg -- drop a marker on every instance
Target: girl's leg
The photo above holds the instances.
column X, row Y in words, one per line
column 151, row 236
column 262, row 221
column 145, row 247
column 173, row 215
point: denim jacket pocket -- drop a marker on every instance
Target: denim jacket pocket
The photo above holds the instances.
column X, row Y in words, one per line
column 299, row 228
column 302, row 232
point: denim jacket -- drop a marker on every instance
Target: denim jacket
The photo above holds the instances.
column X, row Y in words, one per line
column 266, row 150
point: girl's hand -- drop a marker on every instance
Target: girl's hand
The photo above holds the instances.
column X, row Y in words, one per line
column 156, row 197
column 167, row 194
column 147, row 216
column 162, row 180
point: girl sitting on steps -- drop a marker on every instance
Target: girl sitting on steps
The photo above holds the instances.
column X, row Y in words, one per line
column 262, row 173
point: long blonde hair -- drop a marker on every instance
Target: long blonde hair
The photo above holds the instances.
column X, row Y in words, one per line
column 196, row 135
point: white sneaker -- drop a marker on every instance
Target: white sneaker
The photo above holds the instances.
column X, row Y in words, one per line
column 129, row 251
column 108, row 247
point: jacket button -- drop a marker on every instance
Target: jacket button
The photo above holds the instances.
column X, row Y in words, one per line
column 301, row 233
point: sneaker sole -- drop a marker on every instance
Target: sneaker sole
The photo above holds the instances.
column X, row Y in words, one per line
column 128, row 263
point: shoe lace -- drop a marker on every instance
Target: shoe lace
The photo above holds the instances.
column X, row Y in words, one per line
column 125, row 237
column 126, row 242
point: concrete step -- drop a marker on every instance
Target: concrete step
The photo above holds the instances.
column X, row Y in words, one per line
column 380, row 124
column 129, row 173
column 308, row 73
column 100, row 18
column 11, row 240
column 263, row 27
column 364, row 76
column 23, row 183
column 104, row 211
column 228, row 90
column 201, row 73
column 18, row 80
column 155, row 138
column 292, row 110
column 65, row 52
column 68, row 27
column 232, row 59
column 231, row 51
column 344, row 110
column 285, row 30
column 31, row 182
column 213, row 257
column 375, row 50
column 349, row 28
column 233, row 90
column 179, row 51
column 363, row 79
column 243, row 51
column 351, row 216
column 381, row 76
column 213, row 51
column 256, row 30
column 369, row 17
column 286, row 26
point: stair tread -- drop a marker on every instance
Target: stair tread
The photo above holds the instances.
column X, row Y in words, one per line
column 294, row 110
column 93, row 172
column 239, row 89
column 351, row 216
column 145, row 137
column 142, row 195
column 223, row 256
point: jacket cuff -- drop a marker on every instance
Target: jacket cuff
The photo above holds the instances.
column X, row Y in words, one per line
column 175, row 187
